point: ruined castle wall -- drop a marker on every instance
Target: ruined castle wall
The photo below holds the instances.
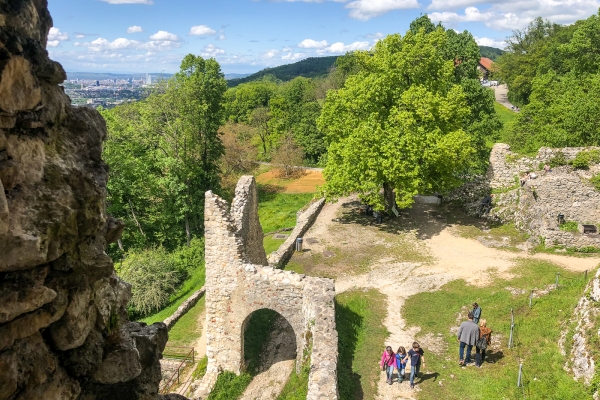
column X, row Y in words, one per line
column 534, row 207
column 64, row 332
column 235, row 288
column 304, row 220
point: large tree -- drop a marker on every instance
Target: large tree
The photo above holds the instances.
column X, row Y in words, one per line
column 163, row 154
column 399, row 122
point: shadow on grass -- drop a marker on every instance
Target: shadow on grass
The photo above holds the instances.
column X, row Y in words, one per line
column 348, row 325
column 426, row 377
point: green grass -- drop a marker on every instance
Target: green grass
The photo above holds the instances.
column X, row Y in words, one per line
column 569, row 226
column 537, row 331
column 230, row 386
column 497, row 233
column 277, row 211
column 296, row 387
column 192, row 284
column 188, row 329
column 361, row 334
column 200, row 370
column 505, row 115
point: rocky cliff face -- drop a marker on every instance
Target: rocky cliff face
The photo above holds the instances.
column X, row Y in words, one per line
column 64, row 332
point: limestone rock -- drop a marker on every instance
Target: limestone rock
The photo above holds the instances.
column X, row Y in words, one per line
column 17, row 302
column 77, row 322
column 3, row 211
column 18, row 88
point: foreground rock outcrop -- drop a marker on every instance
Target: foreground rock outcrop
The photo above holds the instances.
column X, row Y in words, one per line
column 64, row 332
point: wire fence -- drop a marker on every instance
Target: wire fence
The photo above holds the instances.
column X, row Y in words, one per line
column 514, row 342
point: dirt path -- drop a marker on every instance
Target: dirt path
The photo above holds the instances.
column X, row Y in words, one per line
column 501, row 93
column 451, row 257
column 200, row 344
column 276, row 364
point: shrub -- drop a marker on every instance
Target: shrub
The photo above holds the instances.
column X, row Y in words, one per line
column 569, row 226
column 558, row 159
column 153, row 275
column 187, row 258
column 596, row 181
column 584, row 158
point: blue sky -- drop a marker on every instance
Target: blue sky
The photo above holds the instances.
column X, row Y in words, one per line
column 248, row 35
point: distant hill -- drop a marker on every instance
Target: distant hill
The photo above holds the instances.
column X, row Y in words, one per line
column 309, row 68
column 490, row 52
column 236, row 76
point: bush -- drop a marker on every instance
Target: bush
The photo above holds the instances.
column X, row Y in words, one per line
column 569, row 226
column 596, row 181
column 187, row 258
column 154, row 276
column 585, row 158
column 558, row 160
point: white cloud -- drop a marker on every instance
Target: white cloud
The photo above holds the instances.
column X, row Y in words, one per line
column 484, row 41
column 134, row 29
column 292, row 56
column 79, row 36
column 222, row 37
column 102, row 44
column 287, row 49
column 202, row 30
column 129, row 1
column 210, row 50
column 471, row 14
column 312, row 44
column 271, row 53
column 56, row 34
column 53, row 43
column 164, row 36
column 366, row 9
column 340, row 48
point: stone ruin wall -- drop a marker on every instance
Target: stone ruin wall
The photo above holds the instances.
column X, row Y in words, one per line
column 535, row 206
column 239, row 282
column 64, row 332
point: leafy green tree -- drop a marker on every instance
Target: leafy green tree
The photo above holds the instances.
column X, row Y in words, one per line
column 163, row 154
column 398, row 123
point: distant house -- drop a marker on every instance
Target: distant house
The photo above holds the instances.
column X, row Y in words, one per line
column 485, row 66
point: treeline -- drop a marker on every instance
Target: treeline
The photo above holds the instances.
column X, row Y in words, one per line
column 553, row 74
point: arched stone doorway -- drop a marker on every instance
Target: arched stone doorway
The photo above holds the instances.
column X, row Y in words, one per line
column 267, row 339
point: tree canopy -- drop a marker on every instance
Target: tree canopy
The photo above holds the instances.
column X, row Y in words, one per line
column 407, row 120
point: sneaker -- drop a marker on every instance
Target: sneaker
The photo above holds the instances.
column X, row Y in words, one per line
column 412, row 386
column 461, row 362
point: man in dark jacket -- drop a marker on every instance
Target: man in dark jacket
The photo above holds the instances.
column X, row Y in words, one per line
column 476, row 313
column 468, row 333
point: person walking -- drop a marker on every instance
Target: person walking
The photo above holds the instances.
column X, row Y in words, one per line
column 468, row 333
column 485, row 338
column 388, row 359
column 416, row 355
column 476, row 313
column 401, row 363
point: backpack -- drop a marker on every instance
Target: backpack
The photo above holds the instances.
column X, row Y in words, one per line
column 481, row 343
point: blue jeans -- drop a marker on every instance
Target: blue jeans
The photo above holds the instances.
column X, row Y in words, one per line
column 462, row 351
column 400, row 374
column 414, row 371
column 389, row 371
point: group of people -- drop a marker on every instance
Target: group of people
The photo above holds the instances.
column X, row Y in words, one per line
column 526, row 176
column 473, row 332
column 399, row 361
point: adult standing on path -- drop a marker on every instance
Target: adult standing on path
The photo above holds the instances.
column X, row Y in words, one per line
column 388, row 360
column 476, row 313
column 468, row 333
column 485, row 333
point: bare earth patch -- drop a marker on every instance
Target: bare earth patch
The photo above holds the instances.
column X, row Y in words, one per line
column 305, row 184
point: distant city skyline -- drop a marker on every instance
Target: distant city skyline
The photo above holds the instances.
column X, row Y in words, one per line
column 245, row 36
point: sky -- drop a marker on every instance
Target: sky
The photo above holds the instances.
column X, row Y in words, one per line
column 246, row 36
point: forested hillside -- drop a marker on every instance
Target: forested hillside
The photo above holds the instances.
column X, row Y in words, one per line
column 490, row 52
column 553, row 73
column 308, row 68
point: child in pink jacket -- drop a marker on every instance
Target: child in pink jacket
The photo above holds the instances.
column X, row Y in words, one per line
column 388, row 359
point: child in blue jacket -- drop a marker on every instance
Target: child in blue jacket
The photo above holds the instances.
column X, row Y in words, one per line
column 401, row 361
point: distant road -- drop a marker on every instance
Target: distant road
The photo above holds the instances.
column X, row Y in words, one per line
column 502, row 96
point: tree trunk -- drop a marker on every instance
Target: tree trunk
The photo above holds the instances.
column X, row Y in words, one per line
column 187, row 230
column 136, row 220
column 389, row 197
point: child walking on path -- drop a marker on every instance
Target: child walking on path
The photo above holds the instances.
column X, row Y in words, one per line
column 388, row 359
column 416, row 355
column 401, row 363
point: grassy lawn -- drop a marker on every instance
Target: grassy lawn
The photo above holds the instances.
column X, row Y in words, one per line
column 278, row 210
column 537, row 331
column 188, row 329
column 359, row 318
column 194, row 283
column 296, row 387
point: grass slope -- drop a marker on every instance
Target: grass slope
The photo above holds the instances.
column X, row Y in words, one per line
column 537, row 331
column 359, row 318
column 188, row 329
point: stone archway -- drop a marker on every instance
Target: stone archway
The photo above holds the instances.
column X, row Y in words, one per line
column 239, row 282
